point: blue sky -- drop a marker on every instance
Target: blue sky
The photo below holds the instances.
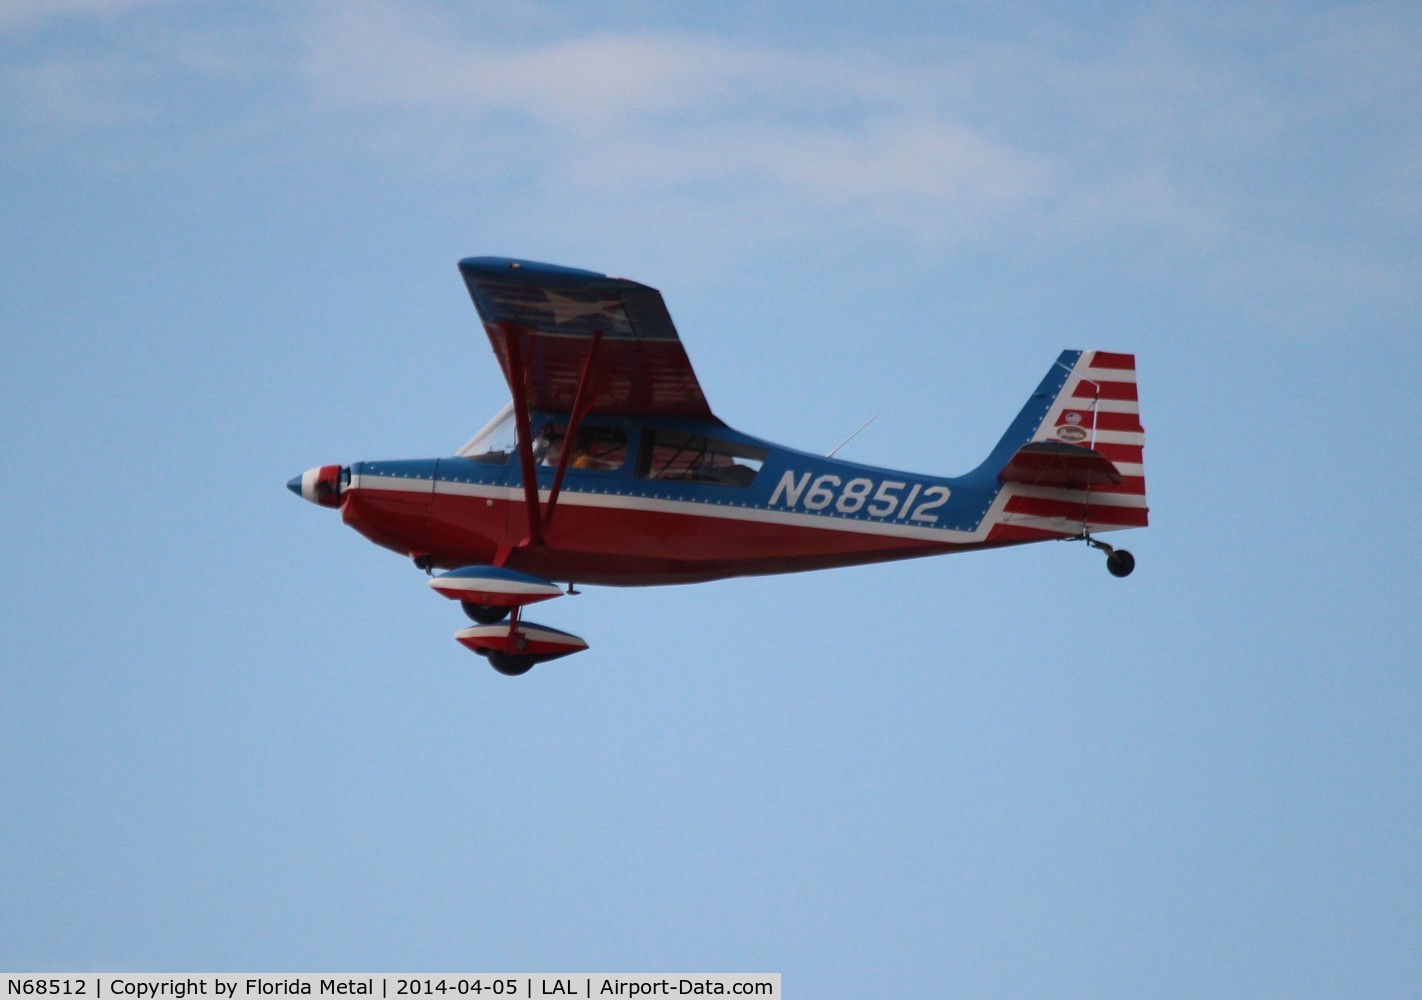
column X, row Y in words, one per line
column 237, row 736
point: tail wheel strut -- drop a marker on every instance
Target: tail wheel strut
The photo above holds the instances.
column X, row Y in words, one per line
column 1119, row 562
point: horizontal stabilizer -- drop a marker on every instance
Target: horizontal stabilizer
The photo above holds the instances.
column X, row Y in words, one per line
column 1059, row 465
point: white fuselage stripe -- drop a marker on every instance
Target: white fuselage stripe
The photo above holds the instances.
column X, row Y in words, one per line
column 631, row 501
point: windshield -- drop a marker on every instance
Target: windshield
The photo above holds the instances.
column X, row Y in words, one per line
column 495, row 442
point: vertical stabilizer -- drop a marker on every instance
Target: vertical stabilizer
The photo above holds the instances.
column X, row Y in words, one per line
column 1053, row 461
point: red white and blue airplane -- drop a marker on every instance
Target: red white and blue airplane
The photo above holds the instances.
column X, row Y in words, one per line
column 608, row 467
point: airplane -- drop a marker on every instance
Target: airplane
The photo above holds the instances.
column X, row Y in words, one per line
column 607, row 466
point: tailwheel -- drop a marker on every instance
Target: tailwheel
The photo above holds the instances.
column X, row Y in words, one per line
column 484, row 614
column 510, row 664
column 1120, row 563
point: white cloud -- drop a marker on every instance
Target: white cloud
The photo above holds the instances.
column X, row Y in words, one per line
column 1208, row 142
column 23, row 13
column 374, row 53
column 609, row 112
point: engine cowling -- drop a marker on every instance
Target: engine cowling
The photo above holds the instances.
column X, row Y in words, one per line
column 322, row 485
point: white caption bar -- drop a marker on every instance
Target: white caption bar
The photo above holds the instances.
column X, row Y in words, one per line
column 386, row 986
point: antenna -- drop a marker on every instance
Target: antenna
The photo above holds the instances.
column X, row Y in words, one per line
column 855, row 434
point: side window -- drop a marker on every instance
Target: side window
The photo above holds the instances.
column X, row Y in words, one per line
column 693, row 458
column 595, row 447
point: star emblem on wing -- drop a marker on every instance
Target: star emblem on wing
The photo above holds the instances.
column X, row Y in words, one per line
column 605, row 312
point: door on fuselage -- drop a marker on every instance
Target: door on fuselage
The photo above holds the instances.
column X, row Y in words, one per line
column 473, row 513
column 597, row 447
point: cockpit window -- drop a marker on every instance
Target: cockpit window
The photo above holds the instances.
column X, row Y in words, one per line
column 595, row 448
column 697, row 459
column 495, row 442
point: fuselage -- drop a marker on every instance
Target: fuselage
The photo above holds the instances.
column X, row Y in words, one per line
column 664, row 501
column 608, row 466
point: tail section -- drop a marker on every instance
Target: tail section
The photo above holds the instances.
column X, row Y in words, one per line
column 1073, row 460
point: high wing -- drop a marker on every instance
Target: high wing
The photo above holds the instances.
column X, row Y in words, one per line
column 571, row 339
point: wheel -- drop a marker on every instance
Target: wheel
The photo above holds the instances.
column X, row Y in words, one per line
column 1120, row 563
column 510, row 664
column 484, row 614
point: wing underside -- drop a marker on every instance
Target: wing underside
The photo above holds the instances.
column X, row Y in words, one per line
column 556, row 330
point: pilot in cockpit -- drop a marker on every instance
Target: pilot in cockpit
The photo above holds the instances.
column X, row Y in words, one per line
column 589, row 451
column 548, row 445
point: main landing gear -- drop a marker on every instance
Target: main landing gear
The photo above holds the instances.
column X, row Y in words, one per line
column 1119, row 562
column 484, row 614
column 513, row 647
column 508, row 664
column 494, row 598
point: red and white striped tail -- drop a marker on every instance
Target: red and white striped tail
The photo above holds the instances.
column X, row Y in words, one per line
column 1098, row 408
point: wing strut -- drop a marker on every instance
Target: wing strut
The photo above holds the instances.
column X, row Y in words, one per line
column 518, row 378
column 582, row 402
